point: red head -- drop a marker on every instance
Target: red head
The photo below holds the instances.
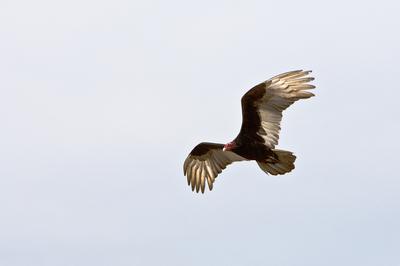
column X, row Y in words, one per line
column 230, row 146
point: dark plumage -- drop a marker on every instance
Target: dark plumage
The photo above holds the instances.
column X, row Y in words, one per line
column 262, row 108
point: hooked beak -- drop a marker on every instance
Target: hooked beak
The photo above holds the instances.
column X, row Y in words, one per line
column 227, row 147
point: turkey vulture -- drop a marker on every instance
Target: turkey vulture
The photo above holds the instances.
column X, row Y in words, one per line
column 262, row 108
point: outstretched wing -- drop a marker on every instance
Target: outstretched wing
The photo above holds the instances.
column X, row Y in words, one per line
column 205, row 162
column 262, row 105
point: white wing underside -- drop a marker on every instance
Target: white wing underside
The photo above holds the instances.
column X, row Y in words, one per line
column 281, row 91
column 205, row 168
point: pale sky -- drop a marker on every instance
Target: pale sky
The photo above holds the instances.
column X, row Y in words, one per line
column 101, row 101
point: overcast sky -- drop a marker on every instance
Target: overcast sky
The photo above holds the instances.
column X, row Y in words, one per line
column 101, row 101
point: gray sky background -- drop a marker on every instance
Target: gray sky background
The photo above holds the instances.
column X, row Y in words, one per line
column 100, row 102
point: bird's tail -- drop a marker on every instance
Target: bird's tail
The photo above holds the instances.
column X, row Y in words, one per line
column 283, row 164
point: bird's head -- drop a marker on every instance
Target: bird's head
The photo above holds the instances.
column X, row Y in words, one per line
column 229, row 146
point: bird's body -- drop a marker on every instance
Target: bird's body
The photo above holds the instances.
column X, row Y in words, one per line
column 252, row 150
column 262, row 108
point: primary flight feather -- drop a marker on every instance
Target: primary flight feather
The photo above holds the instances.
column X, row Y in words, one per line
column 262, row 108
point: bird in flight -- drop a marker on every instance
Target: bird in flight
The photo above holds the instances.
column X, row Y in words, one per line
column 262, row 108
